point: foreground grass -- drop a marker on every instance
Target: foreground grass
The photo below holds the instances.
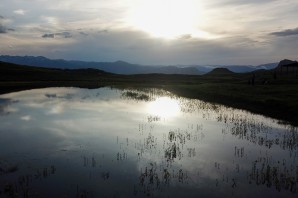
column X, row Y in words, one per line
column 277, row 98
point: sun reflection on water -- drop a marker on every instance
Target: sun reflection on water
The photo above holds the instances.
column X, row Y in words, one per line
column 164, row 107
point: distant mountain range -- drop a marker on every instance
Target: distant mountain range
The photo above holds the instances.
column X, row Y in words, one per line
column 118, row 67
column 121, row 67
column 237, row 68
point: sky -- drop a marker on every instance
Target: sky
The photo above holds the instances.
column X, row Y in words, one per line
column 152, row 32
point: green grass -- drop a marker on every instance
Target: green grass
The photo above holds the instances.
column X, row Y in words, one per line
column 278, row 98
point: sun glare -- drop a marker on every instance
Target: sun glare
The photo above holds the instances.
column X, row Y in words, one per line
column 166, row 18
column 164, row 107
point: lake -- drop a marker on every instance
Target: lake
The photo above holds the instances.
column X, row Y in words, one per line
column 71, row 142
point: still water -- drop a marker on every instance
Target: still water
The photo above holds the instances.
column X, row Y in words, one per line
column 70, row 142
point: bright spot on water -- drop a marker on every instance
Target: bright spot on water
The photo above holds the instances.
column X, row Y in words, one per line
column 164, row 107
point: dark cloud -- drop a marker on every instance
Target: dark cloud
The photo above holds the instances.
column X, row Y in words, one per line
column 59, row 34
column 64, row 34
column 83, row 33
column 67, row 34
column 288, row 32
column 3, row 29
column 186, row 36
column 48, row 36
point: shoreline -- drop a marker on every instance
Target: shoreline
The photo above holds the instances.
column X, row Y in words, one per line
column 271, row 94
column 272, row 109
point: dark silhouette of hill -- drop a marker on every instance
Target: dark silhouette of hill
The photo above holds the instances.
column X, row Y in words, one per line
column 220, row 71
column 14, row 72
column 286, row 62
column 287, row 67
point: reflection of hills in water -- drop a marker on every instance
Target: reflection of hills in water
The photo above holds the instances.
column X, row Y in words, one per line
column 208, row 148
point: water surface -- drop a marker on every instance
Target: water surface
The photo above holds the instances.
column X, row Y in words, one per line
column 70, row 142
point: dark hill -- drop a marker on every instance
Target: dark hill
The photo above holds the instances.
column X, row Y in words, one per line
column 287, row 67
column 286, row 62
column 220, row 71
column 14, row 72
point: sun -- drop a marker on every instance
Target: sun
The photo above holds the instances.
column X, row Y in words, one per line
column 165, row 18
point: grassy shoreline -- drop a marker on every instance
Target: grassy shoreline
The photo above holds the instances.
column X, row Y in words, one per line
column 277, row 98
column 274, row 108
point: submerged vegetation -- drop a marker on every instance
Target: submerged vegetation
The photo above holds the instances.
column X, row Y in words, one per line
column 270, row 92
column 135, row 96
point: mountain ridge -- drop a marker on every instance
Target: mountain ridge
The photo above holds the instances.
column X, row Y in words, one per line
column 122, row 67
column 117, row 67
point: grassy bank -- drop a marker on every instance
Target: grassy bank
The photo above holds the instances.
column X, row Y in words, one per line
column 274, row 96
column 274, row 101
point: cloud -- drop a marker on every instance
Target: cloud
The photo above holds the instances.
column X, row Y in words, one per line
column 100, row 31
column 288, row 32
column 239, row 2
column 186, row 36
column 3, row 25
column 20, row 12
column 48, row 36
column 250, row 2
column 3, row 29
column 60, row 34
column 103, row 31
column 83, row 33
column 26, row 118
column 64, row 34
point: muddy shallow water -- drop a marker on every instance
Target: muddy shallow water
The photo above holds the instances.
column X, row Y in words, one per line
column 70, row 142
